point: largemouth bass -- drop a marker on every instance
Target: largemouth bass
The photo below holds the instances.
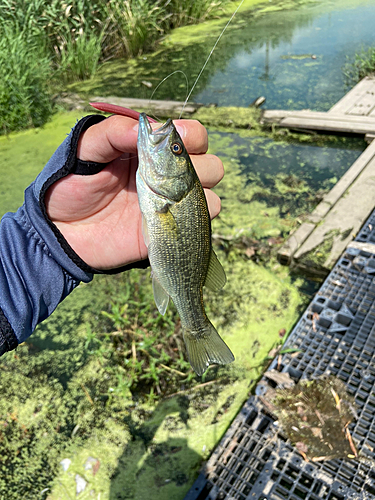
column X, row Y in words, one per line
column 177, row 232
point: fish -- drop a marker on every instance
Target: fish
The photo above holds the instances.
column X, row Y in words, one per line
column 176, row 228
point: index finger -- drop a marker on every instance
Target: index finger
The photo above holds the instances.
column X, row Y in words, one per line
column 194, row 135
column 108, row 139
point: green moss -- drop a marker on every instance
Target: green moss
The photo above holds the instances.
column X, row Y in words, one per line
column 319, row 255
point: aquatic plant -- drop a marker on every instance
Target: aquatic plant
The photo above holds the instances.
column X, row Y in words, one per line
column 78, row 57
column 363, row 65
column 132, row 339
column 315, row 415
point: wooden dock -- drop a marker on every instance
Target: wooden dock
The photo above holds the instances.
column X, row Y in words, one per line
column 316, row 245
column 162, row 109
column 353, row 114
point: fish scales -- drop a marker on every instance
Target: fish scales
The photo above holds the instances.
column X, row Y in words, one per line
column 177, row 231
column 181, row 256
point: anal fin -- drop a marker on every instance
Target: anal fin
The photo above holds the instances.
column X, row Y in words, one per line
column 215, row 279
column 146, row 237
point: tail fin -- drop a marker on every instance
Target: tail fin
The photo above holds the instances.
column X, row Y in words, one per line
column 205, row 348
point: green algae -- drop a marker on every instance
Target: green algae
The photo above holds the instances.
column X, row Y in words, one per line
column 24, row 154
column 319, row 258
column 139, row 444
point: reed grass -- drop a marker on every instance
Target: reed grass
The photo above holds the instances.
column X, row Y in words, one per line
column 363, row 65
column 24, row 72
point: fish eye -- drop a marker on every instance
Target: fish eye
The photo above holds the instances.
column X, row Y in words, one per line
column 176, row 148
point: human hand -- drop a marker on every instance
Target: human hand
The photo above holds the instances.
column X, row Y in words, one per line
column 99, row 215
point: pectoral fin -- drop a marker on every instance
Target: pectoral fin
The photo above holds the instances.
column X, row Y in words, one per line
column 146, row 237
column 215, row 279
column 160, row 295
column 164, row 209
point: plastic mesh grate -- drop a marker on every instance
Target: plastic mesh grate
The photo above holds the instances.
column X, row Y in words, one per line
column 335, row 335
column 367, row 232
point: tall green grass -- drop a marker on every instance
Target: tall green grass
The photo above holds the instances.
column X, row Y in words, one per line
column 363, row 65
column 45, row 42
column 24, row 73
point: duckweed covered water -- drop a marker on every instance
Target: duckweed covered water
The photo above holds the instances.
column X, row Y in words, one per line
column 289, row 176
column 64, row 396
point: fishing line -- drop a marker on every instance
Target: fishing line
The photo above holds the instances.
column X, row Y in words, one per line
column 164, row 79
column 209, row 57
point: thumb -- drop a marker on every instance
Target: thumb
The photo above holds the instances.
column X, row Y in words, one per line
column 109, row 139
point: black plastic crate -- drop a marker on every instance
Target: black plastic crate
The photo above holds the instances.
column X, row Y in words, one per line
column 367, row 232
column 335, row 335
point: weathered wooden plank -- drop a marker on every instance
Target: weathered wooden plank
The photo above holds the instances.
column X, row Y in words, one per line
column 321, row 120
column 347, row 124
column 350, row 176
column 322, row 115
column 364, row 105
column 274, row 115
column 164, row 108
column 319, row 212
column 357, row 91
column 342, row 222
column 360, row 245
column 295, row 240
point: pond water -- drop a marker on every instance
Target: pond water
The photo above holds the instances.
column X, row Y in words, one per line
column 288, row 173
column 267, row 52
column 294, row 57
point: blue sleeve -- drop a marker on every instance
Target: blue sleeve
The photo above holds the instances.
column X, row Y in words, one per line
column 38, row 268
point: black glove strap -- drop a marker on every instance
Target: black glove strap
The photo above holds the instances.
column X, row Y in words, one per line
column 75, row 166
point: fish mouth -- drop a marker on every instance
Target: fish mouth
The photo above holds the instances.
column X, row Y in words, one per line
column 148, row 136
